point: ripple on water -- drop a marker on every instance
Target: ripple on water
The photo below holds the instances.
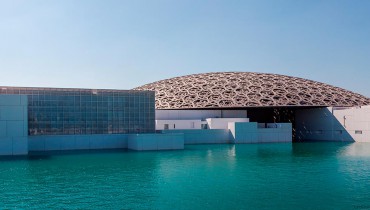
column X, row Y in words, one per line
column 263, row 176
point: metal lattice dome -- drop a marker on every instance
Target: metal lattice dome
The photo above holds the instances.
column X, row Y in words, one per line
column 246, row 89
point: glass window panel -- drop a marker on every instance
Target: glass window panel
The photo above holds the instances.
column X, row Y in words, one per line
column 63, row 111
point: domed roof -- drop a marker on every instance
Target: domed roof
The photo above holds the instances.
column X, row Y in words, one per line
column 246, row 89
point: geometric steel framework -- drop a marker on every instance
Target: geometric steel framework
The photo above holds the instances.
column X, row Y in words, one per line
column 247, row 89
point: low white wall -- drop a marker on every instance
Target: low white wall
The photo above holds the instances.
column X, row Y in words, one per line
column 222, row 123
column 106, row 141
column 276, row 132
column 198, row 114
column 178, row 124
column 170, row 141
column 241, row 132
column 213, row 123
column 207, row 136
column 77, row 142
column 334, row 124
column 238, row 132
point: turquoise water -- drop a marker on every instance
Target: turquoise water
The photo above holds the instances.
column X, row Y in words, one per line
column 253, row 176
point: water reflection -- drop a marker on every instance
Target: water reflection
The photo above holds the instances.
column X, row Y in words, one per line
column 255, row 176
column 357, row 150
column 321, row 149
column 231, row 152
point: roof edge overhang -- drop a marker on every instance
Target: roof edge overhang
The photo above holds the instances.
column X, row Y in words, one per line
column 250, row 107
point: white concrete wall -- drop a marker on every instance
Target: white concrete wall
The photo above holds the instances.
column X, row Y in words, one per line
column 213, row 123
column 13, row 125
column 278, row 132
column 234, row 114
column 170, row 141
column 198, row 114
column 356, row 121
column 214, row 136
column 106, row 141
column 334, row 124
column 242, row 133
column 222, row 123
column 178, row 124
column 77, row 142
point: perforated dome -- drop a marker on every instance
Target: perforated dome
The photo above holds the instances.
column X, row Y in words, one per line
column 246, row 89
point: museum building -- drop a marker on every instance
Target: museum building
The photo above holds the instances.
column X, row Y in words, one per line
column 220, row 107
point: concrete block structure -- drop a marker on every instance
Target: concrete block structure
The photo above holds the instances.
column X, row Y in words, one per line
column 208, row 123
column 168, row 141
column 77, row 142
column 251, row 133
column 222, row 123
column 179, row 124
column 203, row 136
column 334, row 124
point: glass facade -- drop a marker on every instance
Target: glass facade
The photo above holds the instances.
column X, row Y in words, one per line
column 62, row 111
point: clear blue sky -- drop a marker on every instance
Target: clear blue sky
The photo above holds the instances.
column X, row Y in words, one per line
column 123, row 44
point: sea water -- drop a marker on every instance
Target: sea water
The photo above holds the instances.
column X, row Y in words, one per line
column 249, row 176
